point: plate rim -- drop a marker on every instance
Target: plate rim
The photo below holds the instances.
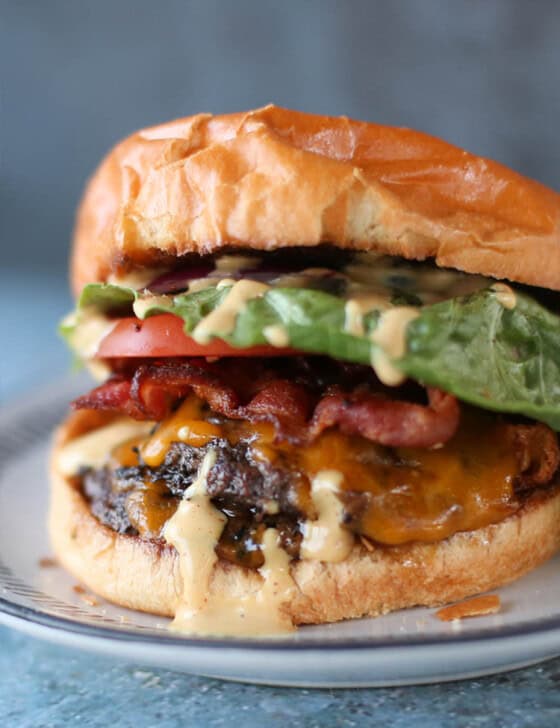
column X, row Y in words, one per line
column 27, row 614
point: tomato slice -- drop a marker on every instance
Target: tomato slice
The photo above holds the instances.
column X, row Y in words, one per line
column 163, row 336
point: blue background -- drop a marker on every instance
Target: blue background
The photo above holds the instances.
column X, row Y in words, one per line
column 77, row 76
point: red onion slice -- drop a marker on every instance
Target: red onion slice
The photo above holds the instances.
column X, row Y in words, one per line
column 178, row 280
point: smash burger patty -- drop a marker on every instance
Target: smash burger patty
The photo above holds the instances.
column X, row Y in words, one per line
column 308, row 410
column 138, row 500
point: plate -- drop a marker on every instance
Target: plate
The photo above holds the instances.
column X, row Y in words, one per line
column 407, row 647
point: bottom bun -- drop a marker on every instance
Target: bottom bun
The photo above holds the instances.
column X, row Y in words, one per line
column 142, row 574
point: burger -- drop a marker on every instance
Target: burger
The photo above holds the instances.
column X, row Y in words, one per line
column 329, row 363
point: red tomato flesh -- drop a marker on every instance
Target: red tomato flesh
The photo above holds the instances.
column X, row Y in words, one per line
column 163, row 336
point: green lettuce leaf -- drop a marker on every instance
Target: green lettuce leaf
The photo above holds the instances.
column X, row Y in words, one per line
column 99, row 298
column 501, row 359
column 507, row 360
column 106, row 297
column 313, row 320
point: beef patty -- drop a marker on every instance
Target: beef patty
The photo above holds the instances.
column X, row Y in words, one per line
column 255, row 493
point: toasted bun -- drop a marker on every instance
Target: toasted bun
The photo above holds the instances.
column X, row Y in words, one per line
column 274, row 178
column 143, row 575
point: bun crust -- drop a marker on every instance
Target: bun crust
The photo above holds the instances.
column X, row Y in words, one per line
column 144, row 575
column 274, row 178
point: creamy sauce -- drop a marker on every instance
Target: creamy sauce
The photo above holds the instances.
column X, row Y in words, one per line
column 221, row 321
column 430, row 285
column 137, row 279
column 98, row 368
column 235, row 263
column 271, row 507
column 384, row 368
column 505, row 295
column 353, row 318
column 276, row 335
column 254, row 614
column 194, row 531
column 390, row 336
column 201, row 284
column 324, row 539
column 359, row 306
column 94, row 448
column 294, row 280
column 301, row 279
column 225, row 283
column 143, row 304
column 91, row 328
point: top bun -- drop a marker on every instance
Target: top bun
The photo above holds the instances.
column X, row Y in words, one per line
column 274, row 178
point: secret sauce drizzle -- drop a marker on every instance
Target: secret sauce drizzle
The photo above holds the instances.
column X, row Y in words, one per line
column 221, row 321
column 390, row 337
column 206, row 608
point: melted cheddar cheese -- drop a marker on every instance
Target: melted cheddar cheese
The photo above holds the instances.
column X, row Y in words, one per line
column 404, row 494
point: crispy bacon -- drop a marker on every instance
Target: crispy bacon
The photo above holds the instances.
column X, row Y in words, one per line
column 389, row 422
column 114, row 396
column 176, row 381
column 287, row 404
column 151, row 393
column 299, row 409
column 537, row 453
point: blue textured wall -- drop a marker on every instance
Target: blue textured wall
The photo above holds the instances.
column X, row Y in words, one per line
column 77, row 76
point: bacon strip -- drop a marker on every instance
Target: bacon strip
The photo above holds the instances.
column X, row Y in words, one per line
column 389, row 422
column 113, row 396
column 298, row 413
column 176, row 381
column 537, row 453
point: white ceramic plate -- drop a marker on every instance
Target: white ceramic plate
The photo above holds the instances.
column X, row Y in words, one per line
column 402, row 648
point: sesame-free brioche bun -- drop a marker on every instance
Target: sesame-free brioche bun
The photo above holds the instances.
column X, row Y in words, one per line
column 274, row 178
column 142, row 574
